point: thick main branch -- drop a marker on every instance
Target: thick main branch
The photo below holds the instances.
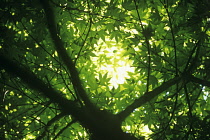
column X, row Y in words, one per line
column 148, row 96
column 37, row 84
column 63, row 53
column 200, row 81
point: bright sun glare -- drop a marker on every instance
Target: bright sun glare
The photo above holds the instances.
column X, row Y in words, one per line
column 116, row 65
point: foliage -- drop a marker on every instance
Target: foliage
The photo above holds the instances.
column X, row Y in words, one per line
column 59, row 61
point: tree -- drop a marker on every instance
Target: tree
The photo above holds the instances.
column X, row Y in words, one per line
column 52, row 84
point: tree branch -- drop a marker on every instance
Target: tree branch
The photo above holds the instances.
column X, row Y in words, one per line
column 49, row 123
column 64, row 55
column 68, row 106
column 63, row 129
column 148, row 96
column 200, row 81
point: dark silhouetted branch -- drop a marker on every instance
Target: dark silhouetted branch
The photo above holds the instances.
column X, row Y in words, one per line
column 64, row 55
column 148, row 96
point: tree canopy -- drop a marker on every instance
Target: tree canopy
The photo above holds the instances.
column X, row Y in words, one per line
column 105, row 69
